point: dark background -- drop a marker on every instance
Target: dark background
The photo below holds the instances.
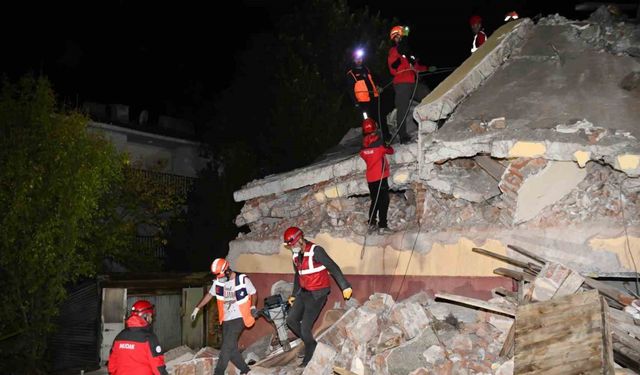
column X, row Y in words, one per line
column 161, row 56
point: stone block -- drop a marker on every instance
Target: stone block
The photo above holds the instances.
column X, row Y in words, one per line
column 410, row 317
column 322, row 361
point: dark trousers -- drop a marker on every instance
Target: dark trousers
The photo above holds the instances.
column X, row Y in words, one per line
column 403, row 102
column 371, row 107
column 302, row 315
column 380, row 206
column 231, row 330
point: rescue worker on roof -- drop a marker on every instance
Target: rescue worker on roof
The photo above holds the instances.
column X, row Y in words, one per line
column 374, row 153
column 236, row 300
column 510, row 16
column 136, row 349
column 404, row 68
column 311, row 286
column 479, row 36
column 362, row 88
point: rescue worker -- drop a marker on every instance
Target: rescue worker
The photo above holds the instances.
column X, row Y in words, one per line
column 479, row 36
column 404, row 68
column 311, row 286
column 236, row 301
column 513, row 15
column 362, row 88
column 136, row 349
column 374, row 153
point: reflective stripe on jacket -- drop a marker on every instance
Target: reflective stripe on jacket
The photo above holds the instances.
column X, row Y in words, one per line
column 243, row 299
column 312, row 274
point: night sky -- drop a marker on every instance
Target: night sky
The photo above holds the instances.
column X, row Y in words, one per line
column 156, row 55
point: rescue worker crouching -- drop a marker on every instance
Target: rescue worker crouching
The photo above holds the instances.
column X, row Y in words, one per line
column 311, row 286
column 236, row 301
column 136, row 349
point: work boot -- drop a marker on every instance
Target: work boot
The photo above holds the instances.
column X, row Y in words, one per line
column 384, row 231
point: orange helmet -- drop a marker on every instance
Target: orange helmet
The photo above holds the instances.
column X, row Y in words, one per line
column 395, row 31
column 475, row 19
column 219, row 266
column 292, row 235
column 369, row 126
column 142, row 307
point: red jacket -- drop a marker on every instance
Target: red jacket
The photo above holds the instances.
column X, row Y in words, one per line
column 374, row 153
column 136, row 350
column 478, row 40
column 400, row 67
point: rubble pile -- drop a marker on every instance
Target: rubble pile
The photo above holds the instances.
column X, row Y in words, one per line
column 450, row 201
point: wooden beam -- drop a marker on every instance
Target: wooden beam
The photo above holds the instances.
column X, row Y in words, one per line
column 503, row 258
column 507, row 310
column 524, row 252
column 615, row 294
column 516, row 275
column 490, row 165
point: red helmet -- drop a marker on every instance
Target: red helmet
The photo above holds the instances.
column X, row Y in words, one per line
column 142, row 307
column 219, row 266
column 395, row 31
column 369, row 126
column 475, row 20
column 292, row 235
column 513, row 15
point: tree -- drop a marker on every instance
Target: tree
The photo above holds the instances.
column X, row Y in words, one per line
column 67, row 201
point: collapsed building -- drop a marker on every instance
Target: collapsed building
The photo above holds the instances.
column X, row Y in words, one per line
column 531, row 143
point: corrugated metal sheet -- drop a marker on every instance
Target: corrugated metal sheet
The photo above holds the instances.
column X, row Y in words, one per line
column 166, row 323
column 75, row 345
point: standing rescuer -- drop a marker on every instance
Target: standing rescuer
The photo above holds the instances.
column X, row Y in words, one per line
column 136, row 349
column 404, row 68
column 374, row 153
column 479, row 37
column 236, row 301
column 311, row 286
column 362, row 88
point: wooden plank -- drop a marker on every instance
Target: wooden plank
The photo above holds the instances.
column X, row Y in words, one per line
column 625, row 339
column 527, row 253
column 563, row 336
column 589, row 366
column 490, row 165
column 561, row 304
column 503, row 258
column 507, row 310
column 626, row 356
column 559, row 333
column 607, row 353
column 503, row 292
column 516, row 275
column 616, row 294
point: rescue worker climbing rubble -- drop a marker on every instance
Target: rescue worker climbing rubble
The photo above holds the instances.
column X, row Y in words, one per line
column 404, row 67
column 479, row 36
column 374, row 153
column 136, row 349
column 236, row 301
column 311, row 286
column 362, row 89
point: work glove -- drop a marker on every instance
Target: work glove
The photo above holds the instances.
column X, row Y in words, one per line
column 194, row 314
column 254, row 312
column 380, row 89
column 290, row 300
column 346, row 293
column 432, row 69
